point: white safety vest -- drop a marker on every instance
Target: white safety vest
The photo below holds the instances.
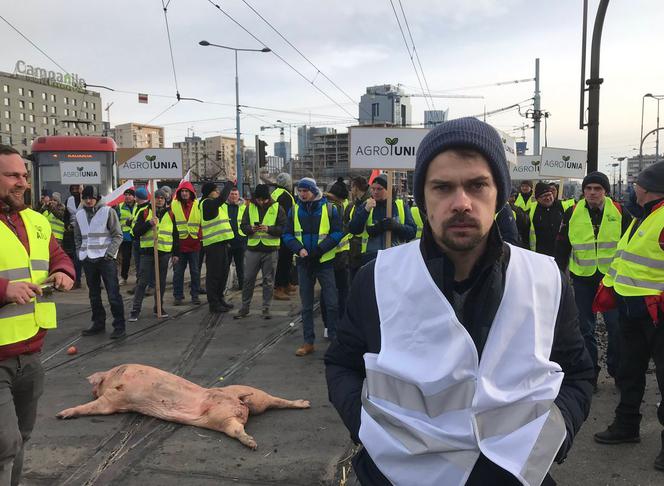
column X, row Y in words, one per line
column 429, row 406
column 96, row 238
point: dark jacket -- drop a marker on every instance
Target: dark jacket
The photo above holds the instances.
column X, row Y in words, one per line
column 142, row 226
column 276, row 230
column 359, row 332
column 564, row 247
column 507, row 225
column 522, row 225
column 238, row 240
column 547, row 224
column 401, row 233
column 355, row 253
column 309, row 214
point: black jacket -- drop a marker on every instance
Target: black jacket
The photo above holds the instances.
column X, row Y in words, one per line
column 359, row 332
column 547, row 224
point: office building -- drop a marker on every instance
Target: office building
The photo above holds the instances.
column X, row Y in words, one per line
column 305, row 137
column 210, row 158
column 435, row 117
column 137, row 135
column 282, row 149
column 385, row 105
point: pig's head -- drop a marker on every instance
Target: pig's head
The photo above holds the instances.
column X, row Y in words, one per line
column 96, row 380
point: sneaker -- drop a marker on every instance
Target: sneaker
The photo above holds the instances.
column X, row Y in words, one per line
column 117, row 333
column 266, row 314
column 133, row 317
column 178, row 302
column 195, row 301
column 617, row 435
column 241, row 314
column 93, row 330
column 305, row 349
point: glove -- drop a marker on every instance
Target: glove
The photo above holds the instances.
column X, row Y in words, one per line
column 655, row 304
column 389, row 224
column 605, row 299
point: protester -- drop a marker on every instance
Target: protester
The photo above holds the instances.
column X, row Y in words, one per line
column 168, row 193
column 359, row 193
column 142, row 202
column 635, row 281
column 217, row 232
column 525, row 198
column 54, row 211
column 522, row 221
column 371, row 222
column 98, row 236
column 263, row 223
column 73, row 204
column 145, row 225
column 284, row 284
column 587, row 243
column 459, row 359
column 126, row 215
column 187, row 215
column 238, row 245
column 29, row 248
column 555, row 191
column 546, row 215
column 313, row 232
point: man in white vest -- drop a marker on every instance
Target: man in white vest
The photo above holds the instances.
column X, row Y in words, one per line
column 98, row 235
column 459, row 360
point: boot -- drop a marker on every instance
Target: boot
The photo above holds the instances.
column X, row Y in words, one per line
column 305, row 349
column 281, row 294
column 617, row 434
column 291, row 289
column 659, row 460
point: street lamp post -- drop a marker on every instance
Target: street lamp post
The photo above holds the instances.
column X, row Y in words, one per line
column 290, row 147
column 238, row 152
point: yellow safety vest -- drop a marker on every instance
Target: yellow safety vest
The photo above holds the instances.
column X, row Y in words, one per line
column 127, row 215
column 402, row 219
column 218, row 229
column 344, row 244
column 590, row 254
column 187, row 227
column 164, row 233
column 240, row 214
column 57, row 226
column 323, row 230
column 278, row 192
column 568, row 203
column 21, row 322
column 417, row 217
column 638, row 267
column 525, row 205
column 269, row 219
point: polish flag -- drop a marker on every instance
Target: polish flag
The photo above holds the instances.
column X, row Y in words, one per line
column 374, row 173
column 117, row 196
column 187, row 176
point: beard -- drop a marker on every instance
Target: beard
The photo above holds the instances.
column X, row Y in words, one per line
column 467, row 242
column 14, row 200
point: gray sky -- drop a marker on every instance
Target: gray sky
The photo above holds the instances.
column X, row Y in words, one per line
column 123, row 44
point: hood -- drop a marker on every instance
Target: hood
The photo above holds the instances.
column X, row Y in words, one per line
column 185, row 185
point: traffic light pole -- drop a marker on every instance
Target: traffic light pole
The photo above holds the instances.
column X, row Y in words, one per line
column 238, row 149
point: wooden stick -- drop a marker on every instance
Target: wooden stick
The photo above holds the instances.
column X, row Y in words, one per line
column 388, row 235
column 155, row 232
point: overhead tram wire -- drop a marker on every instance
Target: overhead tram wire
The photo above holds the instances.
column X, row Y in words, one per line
column 33, row 44
column 318, row 70
column 281, row 58
column 417, row 56
column 403, row 35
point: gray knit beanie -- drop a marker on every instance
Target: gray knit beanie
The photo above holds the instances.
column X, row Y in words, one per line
column 468, row 133
column 652, row 178
column 284, row 180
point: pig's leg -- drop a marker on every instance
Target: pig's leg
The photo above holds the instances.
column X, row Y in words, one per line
column 258, row 401
column 234, row 428
column 100, row 406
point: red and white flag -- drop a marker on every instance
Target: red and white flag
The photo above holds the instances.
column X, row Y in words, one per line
column 117, row 196
column 374, row 173
column 187, row 176
column 142, row 98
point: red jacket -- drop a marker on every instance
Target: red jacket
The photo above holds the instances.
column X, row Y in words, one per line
column 189, row 244
column 58, row 262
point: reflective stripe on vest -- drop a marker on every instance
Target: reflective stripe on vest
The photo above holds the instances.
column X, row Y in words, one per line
column 401, row 214
column 427, row 422
column 127, row 216
column 218, row 229
column 590, row 254
column 638, row 267
column 525, row 205
column 278, row 192
column 57, row 226
column 187, row 227
column 164, row 233
column 323, row 229
column 344, row 244
column 269, row 219
column 95, row 236
column 240, row 214
column 21, row 322
column 417, row 217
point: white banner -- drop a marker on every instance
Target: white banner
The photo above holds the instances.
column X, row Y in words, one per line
column 509, row 144
column 81, row 172
column 527, row 168
column 565, row 163
column 144, row 164
column 384, row 148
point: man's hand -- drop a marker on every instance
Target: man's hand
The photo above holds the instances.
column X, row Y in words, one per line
column 262, row 227
column 389, row 224
column 303, row 253
column 154, row 221
column 21, row 292
column 61, row 281
column 370, row 204
column 175, row 259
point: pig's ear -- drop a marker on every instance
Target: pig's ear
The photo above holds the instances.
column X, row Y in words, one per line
column 96, row 378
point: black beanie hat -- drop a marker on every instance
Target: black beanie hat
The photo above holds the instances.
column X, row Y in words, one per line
column 88, row 191
column 468, row 133
column 652, row 178
column 597, row 178
column 207, row 188
column 262, row 191
column 339, row 189
column 130, row 192
column 541, row 188
column 380, row 179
